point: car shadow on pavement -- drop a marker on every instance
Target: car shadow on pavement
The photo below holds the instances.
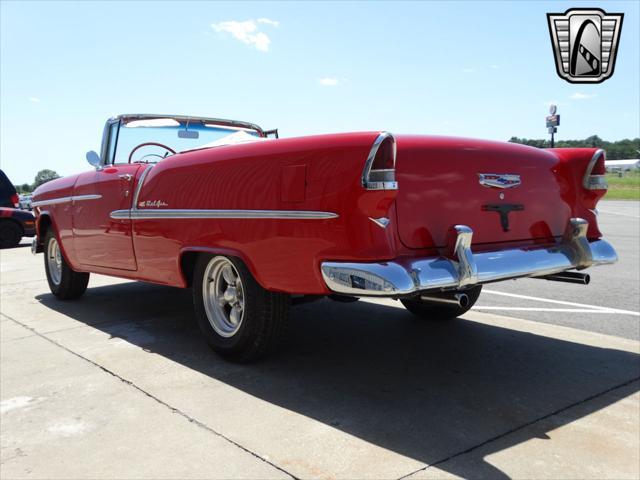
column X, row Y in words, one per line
column 425, row 390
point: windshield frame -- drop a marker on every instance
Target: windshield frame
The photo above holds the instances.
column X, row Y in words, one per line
column 104, row 149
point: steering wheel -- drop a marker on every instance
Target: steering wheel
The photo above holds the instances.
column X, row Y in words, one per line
column 149, row 144
column 161, row 157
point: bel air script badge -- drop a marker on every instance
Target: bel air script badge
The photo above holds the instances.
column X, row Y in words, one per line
column 152, row 204
column 499, row 180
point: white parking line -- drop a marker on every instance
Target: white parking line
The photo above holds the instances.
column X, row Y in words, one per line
column 617, row 213
column 534, row 309
column 591, row 308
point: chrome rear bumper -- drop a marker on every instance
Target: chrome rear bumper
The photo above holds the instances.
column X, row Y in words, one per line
column 405, row 277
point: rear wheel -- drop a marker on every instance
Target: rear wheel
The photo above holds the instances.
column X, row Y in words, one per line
column 64, row 283
column 442, row 311
column 239, row 319
column 10, row 234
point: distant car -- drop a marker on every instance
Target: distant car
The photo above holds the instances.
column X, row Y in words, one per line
column 25, row 202
column 253, row 224
column 8, row 195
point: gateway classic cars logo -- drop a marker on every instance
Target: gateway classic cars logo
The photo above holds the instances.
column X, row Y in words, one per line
column 585, row 43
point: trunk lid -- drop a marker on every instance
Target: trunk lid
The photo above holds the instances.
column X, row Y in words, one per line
column 439, row 186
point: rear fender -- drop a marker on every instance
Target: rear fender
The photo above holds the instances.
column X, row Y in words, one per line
column 578, row 166
column 188, row 257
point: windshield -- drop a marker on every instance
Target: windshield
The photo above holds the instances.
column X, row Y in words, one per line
column 178, row 135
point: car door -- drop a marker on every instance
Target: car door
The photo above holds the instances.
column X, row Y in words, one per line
column 98, row 239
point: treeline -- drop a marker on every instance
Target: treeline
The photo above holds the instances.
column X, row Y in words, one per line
column 43, row 176
column 619, row 150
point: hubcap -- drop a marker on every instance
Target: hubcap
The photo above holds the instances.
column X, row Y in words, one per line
column 54, row 260
column 223, row 296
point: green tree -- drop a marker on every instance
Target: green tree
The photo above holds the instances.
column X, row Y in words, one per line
column 44, row 176
column 618, row 150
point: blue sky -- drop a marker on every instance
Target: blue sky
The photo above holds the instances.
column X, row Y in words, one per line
column 478, row 69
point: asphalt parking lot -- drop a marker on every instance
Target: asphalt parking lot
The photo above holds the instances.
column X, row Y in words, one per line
column 540, row 380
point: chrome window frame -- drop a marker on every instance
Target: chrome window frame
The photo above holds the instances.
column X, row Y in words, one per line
column 104, row 149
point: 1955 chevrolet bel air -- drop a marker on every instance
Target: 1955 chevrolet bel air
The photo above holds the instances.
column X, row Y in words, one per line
column 253, row 224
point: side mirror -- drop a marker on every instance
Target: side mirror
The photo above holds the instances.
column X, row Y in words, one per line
column 93, row 158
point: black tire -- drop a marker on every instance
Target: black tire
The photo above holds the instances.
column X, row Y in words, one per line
column 10, row 234
column 264, row 318
column 71, row 284
column 439, row 312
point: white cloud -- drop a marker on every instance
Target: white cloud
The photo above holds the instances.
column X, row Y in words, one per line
column 329, row 82
column 495, row 67
column 268, row 21
column 34, row 99
column 582, row 96
column 247, row 32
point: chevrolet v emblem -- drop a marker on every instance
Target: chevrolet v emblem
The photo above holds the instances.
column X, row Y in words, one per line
column 503, row 209
column 499, row 180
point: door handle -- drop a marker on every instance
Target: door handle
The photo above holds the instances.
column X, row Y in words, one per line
column 126, row 176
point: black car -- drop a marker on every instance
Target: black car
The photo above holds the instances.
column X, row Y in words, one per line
column 14, row 223
column 8, row 195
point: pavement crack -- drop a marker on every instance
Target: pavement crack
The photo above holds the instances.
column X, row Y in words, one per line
column 173, row 409
column 521, row 427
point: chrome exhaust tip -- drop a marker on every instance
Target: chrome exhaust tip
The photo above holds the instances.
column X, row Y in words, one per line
column 463, row 299
column 569, row 277
column 458, row 299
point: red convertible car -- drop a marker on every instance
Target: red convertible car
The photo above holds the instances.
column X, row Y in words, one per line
column 253, row 224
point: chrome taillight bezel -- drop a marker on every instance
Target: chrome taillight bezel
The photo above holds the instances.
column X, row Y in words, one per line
column 595, row 182
column 380, row 179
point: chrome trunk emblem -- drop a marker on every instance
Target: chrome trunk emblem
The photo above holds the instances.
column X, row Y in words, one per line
column 499, row 180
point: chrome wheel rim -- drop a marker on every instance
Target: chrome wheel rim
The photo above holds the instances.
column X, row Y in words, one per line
column 54, row 261
column 223, row 296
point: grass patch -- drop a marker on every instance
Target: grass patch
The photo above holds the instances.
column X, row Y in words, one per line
column 625, row 187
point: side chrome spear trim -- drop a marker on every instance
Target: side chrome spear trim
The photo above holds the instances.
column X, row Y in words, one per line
column 75, row 198
column 148, row 214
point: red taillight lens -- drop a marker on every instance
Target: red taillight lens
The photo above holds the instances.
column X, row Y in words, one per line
column 15, row 199
column 594, row 176
column 379, row 172
column 385, row 157
column 599, row 168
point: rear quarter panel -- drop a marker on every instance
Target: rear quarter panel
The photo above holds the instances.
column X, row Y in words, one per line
column 573, row 163
column 283, row 254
